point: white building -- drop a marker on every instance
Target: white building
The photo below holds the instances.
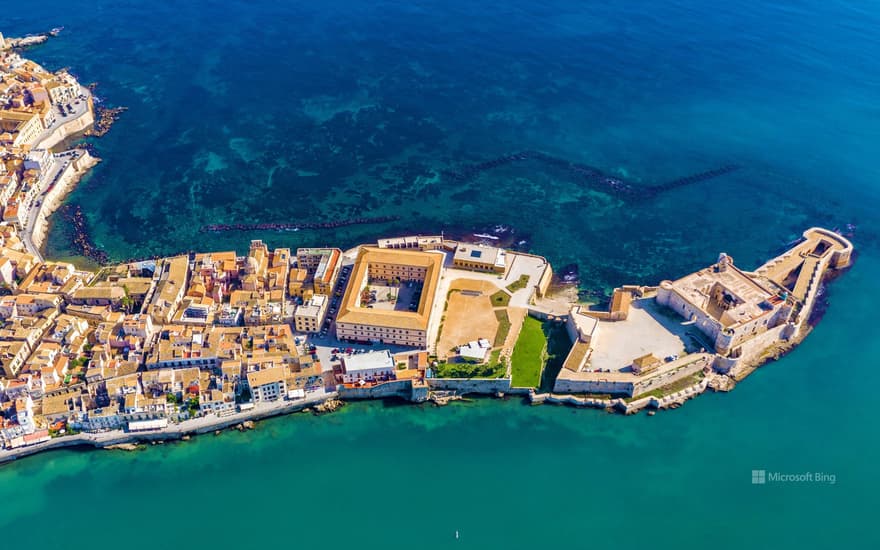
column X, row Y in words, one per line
column 100, row 420
column 478, row 257
column 267, row 384
column 366, row 367
column 39, row 159
column 147, row 425
column 475, row 351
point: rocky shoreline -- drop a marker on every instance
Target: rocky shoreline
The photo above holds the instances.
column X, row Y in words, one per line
column 81, row 241
column 106, row 116
column 27, row 41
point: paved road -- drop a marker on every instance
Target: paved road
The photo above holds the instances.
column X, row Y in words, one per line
column 51, row 177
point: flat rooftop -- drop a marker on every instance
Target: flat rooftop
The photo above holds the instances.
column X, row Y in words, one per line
column 413, row 241
column 351, row 312
column 480, row 253
column 748, row 298
column 368, row 361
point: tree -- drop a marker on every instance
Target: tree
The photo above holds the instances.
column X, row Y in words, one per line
column 127, row 301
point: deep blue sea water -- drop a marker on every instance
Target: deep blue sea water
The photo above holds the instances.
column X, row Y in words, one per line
column 265, row 111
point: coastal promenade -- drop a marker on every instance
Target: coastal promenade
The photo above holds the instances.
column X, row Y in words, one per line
column 193, row 426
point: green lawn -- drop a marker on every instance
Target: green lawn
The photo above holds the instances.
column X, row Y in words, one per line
column 519, row 283
column 529, row 355
column 493, row 368
column 500, row 299
column 503, row 327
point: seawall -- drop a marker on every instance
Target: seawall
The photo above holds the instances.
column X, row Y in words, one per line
column 69, row 128
column 196, row 426
column 488, row 386
column 67, row 181
column 671, row 401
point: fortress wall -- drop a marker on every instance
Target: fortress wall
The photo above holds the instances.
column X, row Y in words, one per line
column 489, row 386
column 571, row 328
column 397, row 388
column 753, row 348
column 539, row 398
column 813, row 292
column 542, row 315
column 68, row 129
column 684, row 309
column 544, row 282
column 669, row 401
column 592, row 386
column 654, row 382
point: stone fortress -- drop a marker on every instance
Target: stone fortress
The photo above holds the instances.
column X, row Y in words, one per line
column 720, row 320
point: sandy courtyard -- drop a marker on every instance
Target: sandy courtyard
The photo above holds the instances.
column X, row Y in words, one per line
column 646, row 330
column 468, row 318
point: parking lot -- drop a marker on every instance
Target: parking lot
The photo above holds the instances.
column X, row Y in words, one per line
column 328, row 329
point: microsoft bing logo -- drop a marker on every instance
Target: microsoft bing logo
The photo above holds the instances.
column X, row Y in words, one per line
column 759, row 477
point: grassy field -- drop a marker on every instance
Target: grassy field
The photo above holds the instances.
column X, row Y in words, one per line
column 529, row 354
column 500, row 299
column 503, row 327
column 519, row 283
column 493, row 368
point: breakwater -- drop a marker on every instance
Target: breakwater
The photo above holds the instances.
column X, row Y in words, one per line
column 106, row 116
column 583, row 171
column 83, row 244
column 693, row 178
column 220, row 227
column 589, row 174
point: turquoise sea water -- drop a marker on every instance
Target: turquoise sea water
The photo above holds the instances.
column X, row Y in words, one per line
column 264, row 111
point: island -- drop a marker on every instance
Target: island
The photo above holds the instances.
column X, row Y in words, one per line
column 162, row 349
